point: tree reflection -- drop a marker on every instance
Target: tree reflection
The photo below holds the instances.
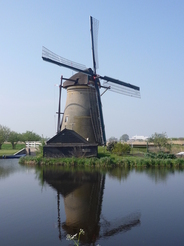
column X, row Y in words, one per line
column 8, row 167
column 119, row 173
column 159, row 174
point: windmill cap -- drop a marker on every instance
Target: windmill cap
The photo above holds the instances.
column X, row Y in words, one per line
column 79, row 79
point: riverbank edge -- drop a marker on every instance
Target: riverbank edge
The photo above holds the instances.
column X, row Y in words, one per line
column 102, row 162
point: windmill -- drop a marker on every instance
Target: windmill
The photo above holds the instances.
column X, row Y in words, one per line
column 83, row 116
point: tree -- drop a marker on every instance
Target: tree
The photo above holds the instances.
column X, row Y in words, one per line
column 13, row 138
column 124, row 138
column 113, row 139
column 160, row 140
column 30, row 136
column 4, row 133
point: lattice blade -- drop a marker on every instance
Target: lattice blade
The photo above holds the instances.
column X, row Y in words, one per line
column 94, row 25
column 119, row 82
column 122, row 89
column 49, row 56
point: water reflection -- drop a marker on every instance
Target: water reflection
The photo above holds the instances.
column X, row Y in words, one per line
column 8, row 167
column 159, row 174
column 91, row 199
column 119, row 173
column 123, row 224
column 83, row 195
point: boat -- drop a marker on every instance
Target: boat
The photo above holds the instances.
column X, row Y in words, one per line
column 12, row 156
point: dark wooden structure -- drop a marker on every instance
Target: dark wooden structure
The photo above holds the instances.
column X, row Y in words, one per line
column 68, row 143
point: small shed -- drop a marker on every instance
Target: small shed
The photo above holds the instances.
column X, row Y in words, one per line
column 68, row 143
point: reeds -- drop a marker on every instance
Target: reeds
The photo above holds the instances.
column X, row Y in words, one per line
column 106, row 161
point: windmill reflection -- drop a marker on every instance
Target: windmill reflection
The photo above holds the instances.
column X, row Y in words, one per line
column 83, row 194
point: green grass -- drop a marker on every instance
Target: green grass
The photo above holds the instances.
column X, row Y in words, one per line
column 6, row 149
column 102, row 152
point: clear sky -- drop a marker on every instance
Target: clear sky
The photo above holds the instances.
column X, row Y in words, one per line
column 140, row 42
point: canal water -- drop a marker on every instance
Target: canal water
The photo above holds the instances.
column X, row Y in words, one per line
column 40, row 206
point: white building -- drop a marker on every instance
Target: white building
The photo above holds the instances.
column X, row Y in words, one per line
column 139, row 138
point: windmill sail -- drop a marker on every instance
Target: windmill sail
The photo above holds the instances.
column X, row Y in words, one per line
column 124, row 90
column 94, row 25
column 50, row 56
column 94, row 33
column 115, row 85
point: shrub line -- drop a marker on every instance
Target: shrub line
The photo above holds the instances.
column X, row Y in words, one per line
column 108, row 161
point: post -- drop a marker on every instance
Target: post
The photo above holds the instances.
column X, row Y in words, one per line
column 59, row 106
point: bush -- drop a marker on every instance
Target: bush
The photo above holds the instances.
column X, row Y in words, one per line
column 121, row 149
column 110, row 146
column 179, row 162
column 39, row 151
column 160, row 155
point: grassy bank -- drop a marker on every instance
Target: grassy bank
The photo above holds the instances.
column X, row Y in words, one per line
column 136, row 158
column 6, row 149
column 106, row 159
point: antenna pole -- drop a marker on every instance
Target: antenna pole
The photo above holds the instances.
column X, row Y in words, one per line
column 59, row 106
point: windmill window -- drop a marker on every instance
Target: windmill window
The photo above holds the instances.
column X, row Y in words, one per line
column 66, row 119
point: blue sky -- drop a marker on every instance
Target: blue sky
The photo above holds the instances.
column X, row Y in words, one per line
column 139, row 42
